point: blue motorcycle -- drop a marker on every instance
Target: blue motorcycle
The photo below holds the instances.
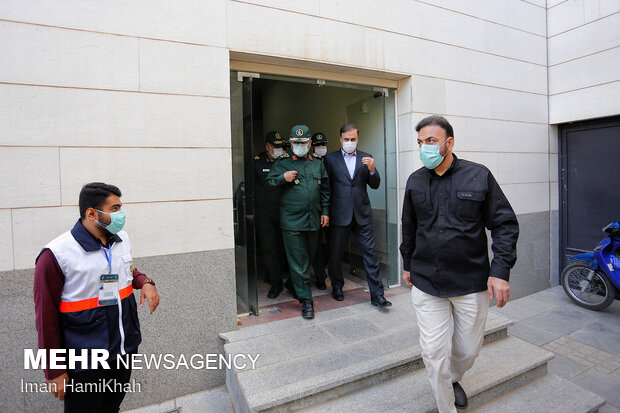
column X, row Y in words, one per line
column 594, row 281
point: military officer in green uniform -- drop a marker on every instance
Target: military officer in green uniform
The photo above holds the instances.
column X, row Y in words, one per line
column 304, row 209
column 267, row 211
column 319, row 149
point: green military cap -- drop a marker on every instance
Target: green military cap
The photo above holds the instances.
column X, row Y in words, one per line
column 319, row 139
column 300, row 134
column 275, row 139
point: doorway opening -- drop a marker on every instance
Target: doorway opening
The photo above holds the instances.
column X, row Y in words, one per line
column 263, row 102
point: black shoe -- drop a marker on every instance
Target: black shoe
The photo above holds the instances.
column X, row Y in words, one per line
column 320, row 284
column 307, row 310
column 380, row 301
column 274, row 291
column 289, row 286
column 460, row 398
column 337, row 293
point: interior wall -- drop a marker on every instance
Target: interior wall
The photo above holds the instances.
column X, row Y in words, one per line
column 322, row 108
column 368, row 115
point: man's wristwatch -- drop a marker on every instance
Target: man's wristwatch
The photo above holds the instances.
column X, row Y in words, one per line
column 148, row 281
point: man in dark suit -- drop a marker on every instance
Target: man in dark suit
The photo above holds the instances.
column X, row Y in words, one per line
column 349, row 172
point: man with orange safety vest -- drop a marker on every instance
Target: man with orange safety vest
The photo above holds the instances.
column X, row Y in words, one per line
column 83, row 294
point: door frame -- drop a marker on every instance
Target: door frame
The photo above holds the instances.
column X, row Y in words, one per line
column 344, row 80
column 563, row 130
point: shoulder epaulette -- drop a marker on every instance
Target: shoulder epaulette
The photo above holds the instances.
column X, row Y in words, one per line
column 286, row 155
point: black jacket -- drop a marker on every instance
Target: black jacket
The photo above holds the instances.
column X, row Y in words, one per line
column 350, row 196
column 444, row 243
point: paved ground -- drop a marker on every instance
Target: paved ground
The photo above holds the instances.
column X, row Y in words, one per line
column 586, row 344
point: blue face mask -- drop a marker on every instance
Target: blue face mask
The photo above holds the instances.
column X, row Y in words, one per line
column 117, row 221
column 430, row 156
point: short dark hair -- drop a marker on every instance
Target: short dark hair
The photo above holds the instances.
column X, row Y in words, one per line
column 349, row 127
column 436, row 120
column 94, row 194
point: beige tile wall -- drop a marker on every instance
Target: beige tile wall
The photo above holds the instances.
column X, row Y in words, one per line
column 584, row 59
column 137, row 94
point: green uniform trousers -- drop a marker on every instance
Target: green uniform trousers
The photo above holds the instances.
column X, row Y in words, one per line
column 300, row 247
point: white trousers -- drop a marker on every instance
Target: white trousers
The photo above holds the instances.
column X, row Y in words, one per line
column 451, row 334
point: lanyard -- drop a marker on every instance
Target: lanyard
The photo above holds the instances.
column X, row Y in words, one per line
column 108, row 257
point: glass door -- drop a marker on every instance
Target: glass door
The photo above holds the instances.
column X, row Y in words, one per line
column 243, row 204
column 375, row 117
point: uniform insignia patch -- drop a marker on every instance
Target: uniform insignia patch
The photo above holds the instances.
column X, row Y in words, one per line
column 296, row 181
column 299, row 132
column 257, row 157
column 278, row 136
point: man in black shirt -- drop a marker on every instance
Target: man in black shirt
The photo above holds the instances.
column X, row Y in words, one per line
column 447, row 206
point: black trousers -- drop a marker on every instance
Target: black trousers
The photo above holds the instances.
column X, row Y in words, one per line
column 269, row 238
column 98, row 401
column 365, row 235
column 321, row 255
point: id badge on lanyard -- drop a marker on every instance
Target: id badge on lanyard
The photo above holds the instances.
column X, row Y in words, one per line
column 108, row 283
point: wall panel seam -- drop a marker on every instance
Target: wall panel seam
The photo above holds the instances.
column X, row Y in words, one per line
column 115, row 90
column 479, row 18
column 480, row 84
column 390, row 31
column 479, row 117
column 378, row 28
column 585, row 87
column 584, row 56
column 112, row 34
column 115, row 147
column 585, row 24
column 533, row 4
column 124, row 203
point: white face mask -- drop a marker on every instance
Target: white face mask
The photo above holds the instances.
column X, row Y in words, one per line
column 349, row 147
column 300, row 149
column 320, row 150
column 277, row 153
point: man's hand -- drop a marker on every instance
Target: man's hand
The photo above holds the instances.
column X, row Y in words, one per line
column 57, row 386
column 324, row 221
column 407, row 278
column 369, row 162
column 290, row 175
column 500, row 289
column 152, row 296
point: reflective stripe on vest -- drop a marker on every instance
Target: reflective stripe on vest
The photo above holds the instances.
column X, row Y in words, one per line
column 73, row 306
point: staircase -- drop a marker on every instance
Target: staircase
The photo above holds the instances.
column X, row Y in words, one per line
column 362, row 359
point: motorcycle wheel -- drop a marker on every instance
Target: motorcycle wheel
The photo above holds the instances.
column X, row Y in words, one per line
column 597, row 293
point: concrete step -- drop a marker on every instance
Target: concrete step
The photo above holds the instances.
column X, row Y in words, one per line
column 502, row 366
column 341, row 351
column 549, row 394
